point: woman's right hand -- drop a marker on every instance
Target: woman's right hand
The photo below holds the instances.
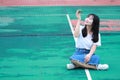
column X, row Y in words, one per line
column 78, row 14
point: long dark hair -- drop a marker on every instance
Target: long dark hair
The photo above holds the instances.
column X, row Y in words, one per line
column 94, row 29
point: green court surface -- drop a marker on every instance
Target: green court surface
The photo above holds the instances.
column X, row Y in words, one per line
column 36, row 43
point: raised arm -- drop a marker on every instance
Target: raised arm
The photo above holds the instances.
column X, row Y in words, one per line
column 77, row 28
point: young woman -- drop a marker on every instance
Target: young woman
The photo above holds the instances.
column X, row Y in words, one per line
column 87, row 40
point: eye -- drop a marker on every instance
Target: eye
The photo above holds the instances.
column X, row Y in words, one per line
column 91, row 17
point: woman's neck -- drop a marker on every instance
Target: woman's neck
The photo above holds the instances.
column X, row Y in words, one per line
column 89, row 29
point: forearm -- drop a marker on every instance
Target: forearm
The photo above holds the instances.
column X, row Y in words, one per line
column 88, row 56
column 93, row 49
column 77, row 29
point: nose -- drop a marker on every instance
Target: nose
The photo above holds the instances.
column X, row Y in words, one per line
column 87, row 20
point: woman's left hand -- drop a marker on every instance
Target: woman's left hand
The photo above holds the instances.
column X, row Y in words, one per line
column 87, row 58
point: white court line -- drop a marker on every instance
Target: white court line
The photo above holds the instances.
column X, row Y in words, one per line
column 88, row 74
column 86, row 70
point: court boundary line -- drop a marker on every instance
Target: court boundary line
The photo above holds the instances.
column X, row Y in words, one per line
column 70, row 24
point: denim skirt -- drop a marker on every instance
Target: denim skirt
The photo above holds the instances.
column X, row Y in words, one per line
column 80, row 54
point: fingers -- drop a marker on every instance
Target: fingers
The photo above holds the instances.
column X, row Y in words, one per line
column 87, row 58
column 78, row 14
column 79, row 11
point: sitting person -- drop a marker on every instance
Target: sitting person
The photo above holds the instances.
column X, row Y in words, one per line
column 87, row 40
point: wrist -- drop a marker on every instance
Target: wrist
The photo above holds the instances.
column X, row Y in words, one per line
column 90, row 54
column 79, row 19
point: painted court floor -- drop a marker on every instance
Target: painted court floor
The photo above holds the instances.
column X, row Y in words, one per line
column 36, row 43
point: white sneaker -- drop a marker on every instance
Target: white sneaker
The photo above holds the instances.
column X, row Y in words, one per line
column 102, row 66
column 70, row 66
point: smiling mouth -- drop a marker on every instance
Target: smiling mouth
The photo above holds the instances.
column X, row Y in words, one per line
column 86, row 21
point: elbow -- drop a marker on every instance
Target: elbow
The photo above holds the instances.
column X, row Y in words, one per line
column 76, row 35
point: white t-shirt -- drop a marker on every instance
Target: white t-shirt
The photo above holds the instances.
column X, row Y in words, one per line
column 86, row 42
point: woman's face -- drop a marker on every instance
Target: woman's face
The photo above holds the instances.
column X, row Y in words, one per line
column 89, row 20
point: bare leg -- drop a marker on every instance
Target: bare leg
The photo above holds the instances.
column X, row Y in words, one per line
column 79, row 64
